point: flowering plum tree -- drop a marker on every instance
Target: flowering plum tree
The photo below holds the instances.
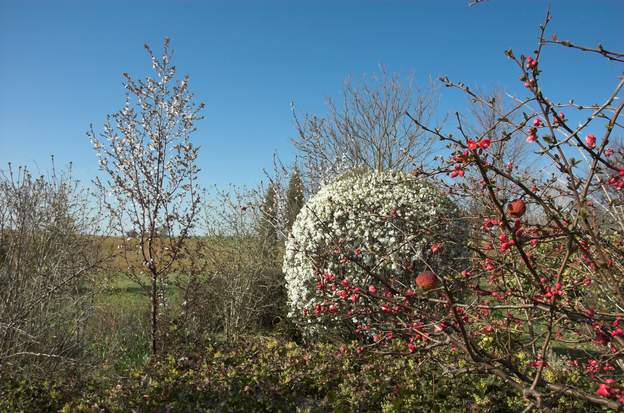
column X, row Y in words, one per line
column 146, row 152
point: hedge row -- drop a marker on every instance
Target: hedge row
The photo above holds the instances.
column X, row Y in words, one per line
column 259, row 374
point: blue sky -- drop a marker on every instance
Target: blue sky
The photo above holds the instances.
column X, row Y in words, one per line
column 61, row 64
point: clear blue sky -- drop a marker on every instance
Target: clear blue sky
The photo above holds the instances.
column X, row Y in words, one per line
column 61, row 64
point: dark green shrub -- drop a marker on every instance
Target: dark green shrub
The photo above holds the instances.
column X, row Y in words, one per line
column 259, row 374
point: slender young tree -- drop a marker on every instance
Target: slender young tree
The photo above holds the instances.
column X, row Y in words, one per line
column 147, row 155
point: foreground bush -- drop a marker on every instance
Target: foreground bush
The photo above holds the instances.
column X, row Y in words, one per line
column 547, row 261
column 265, row 374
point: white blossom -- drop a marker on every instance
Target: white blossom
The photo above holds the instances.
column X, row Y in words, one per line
column 390, row 217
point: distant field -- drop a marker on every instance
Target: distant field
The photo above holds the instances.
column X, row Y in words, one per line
column 208, row 252
column 125, row 252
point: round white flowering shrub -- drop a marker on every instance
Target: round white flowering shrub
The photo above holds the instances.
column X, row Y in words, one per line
column 365, row 230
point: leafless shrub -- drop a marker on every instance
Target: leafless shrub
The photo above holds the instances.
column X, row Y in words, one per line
column 368, row 129
column 48, row 253
column 240, row 289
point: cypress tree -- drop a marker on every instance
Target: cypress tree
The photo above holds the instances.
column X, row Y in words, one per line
column 268, row 219
column 294, row 198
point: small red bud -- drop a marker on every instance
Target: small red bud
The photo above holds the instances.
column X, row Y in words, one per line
column 516, row 208
column 427, row 280
column 590, row 140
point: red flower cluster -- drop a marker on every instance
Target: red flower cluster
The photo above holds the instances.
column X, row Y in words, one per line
column 532, row 134
column 483, row 144
column 558, row 119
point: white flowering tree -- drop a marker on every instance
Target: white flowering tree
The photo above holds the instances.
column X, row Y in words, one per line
column 368, row 234
column 152, row 190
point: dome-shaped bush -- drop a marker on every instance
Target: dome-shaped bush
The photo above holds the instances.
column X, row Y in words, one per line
column 369, row 227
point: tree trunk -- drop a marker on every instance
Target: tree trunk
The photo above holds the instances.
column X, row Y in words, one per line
column 154, row 314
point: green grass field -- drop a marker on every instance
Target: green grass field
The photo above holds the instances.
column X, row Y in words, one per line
column 119, row 326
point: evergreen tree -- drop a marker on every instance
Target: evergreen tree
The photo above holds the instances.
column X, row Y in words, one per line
column 268, row 220
column 294, row 198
